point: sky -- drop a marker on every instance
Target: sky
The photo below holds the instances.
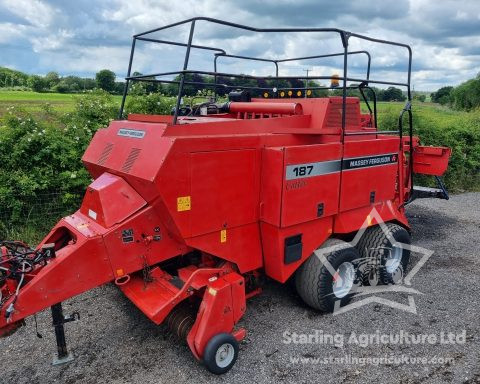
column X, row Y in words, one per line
column 80, row 37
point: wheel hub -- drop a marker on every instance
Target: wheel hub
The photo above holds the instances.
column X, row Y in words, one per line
column 343, row 279
column 224, row 355
column 393, row 260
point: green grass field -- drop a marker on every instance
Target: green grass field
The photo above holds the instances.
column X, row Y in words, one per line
column 62, row 102
column 34, row 102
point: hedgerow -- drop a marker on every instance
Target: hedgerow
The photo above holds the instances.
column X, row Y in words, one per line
column 41, row 159
column 443, row 127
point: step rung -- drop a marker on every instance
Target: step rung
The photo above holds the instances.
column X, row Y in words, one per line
column 427, row 192
column 427, row 189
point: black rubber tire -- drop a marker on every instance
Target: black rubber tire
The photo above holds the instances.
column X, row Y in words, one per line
column 314, row 282
column 211, row 350
column 373, row 248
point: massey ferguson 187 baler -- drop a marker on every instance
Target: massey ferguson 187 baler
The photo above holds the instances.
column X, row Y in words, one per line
column 188, row 212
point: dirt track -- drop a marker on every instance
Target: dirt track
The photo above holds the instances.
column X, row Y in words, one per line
column 115, row 343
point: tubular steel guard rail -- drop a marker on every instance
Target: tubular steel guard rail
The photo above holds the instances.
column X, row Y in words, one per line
column 344, row 36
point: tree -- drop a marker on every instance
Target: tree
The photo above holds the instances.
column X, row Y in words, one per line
column 393, row 94
column 119, row 87
column 52, row 79
column 12, row 78
column 89, row 83
column 37, row 83
column 105, row 80
column 61, row 87
column 467, row 95
column 74, row 83
column 442, row 96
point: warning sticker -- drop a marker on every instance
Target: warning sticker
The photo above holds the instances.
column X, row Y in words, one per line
column 127, row 235
column 183, row 203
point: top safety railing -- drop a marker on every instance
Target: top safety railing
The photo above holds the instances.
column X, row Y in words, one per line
column 219, row 53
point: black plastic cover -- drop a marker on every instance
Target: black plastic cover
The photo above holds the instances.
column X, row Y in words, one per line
column 240, row 95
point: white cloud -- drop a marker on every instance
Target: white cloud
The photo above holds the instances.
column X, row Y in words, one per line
column 35, row 12
column 82, row 36
column 10, row 32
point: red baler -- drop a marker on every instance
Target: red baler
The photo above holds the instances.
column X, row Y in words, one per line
column 187, row 213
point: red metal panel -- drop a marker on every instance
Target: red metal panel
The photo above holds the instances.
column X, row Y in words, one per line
column 242, row 246
column 334, row 113
column 316, row 109
column 155, row 298
column 200, row 126
column 271, row 188
column 314, row 233
column 357, row 184
column 237, row 284
column 173, row 182
column 134, row 150
column 158, row 297
column 110, row 200
column 141, row 239
column 221, row 190
column 77, row 267
column 431, row 160
column 351, row 221
column 302, row 195
column 216, row 314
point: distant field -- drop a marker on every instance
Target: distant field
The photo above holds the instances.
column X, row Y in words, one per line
column 60, row 102
column 34, row 101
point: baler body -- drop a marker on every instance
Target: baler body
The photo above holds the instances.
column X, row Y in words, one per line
column 194, row 209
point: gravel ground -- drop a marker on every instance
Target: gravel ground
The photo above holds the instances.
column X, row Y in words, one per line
column 115, row 343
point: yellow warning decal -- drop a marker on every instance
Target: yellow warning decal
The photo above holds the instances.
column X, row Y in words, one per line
column 183, row 203
column 212, row 291
column 223, row 236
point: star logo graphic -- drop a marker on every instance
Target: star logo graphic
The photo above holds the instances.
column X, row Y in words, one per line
column 402, row 286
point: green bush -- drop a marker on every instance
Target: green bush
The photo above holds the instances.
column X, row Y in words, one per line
column 442, row 96
column 442, row 127
column 467, row 95
column 37, row 83
column 153, row 104
column 41, row 158
column 95, row 110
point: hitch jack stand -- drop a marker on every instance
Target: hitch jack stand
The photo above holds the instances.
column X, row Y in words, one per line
column 63, row 356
